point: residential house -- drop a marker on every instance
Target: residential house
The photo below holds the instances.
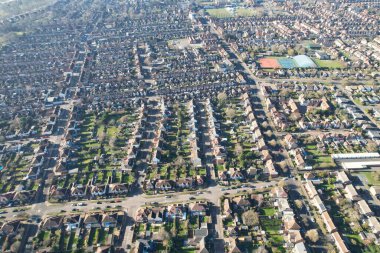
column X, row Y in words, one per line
column 364, row 209
column 184, row 183
column 330, row 226
column 290, row 141
column 241, row 202
column 374, row 224
column 300, row 248
column 318, row 203
column 175, row 212
column 98, row 190
column 109, row 220
column 156, row 215
column 52, row 223
column 163, row 185
column 310, row 189
column 342, row 177
column 92, row 220
column 375, row 191
column 278, row 192
column 339, row 243
column 56, row 193
column 227, row 211
column 118, row 189
column 77, row 191
column 10, row 228
column 6, row 198
column 197, row 209
column 351, row 193
column 71, row 222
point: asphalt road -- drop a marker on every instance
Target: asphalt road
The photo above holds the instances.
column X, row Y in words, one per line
column 130, row 204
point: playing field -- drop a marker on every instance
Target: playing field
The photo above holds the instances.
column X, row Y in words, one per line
column 331, row 64
column 220, row 13
column 246, row 12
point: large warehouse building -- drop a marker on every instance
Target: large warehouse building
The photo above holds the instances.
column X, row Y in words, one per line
column 357, row 161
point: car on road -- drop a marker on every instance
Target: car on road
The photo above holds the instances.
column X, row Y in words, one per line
column 75, row 209
column 99, row 202
column 168, row 196
column 192, row 198
column 2, row 212
column 82, row 204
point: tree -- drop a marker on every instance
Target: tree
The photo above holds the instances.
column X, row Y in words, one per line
column 250, row 218
column 282, row 49
column 230, row 113
column 274, row 48
column 302, row 50
column 269, row 133
column 179, row 162
column 272, row 143
column 291, row 52
column 372, row 147
column 165, row 236
column 265, row 124
column 298, row 203
column 282, row 183
column 15, row 246
column 123, row 119
column 112, row 142
column 238, row 149
column 222, row 96
column 330, row 248
column 313, row 235
column 102, row 136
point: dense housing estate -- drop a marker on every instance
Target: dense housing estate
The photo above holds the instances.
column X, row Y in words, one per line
column 189, row 126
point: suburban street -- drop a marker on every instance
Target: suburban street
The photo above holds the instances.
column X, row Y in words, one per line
column 132, row 204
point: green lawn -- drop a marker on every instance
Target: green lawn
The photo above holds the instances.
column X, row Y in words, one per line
column 220, row 13
column 332, row 64
column 268, row 211
column 271, row 226
column 246, row 12
column 321, row 160
column 371, row 179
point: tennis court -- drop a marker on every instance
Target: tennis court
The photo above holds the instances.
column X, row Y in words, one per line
column 287, row 63
column 269, row 63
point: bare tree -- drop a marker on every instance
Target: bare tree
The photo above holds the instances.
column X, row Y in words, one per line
column 250, row 218
column 112, row 142
column 298, row 203
column 102, row 136
column 313, row 235
column 238, row 149
column 179, row 162
column 230, row 113
column 222, row 96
